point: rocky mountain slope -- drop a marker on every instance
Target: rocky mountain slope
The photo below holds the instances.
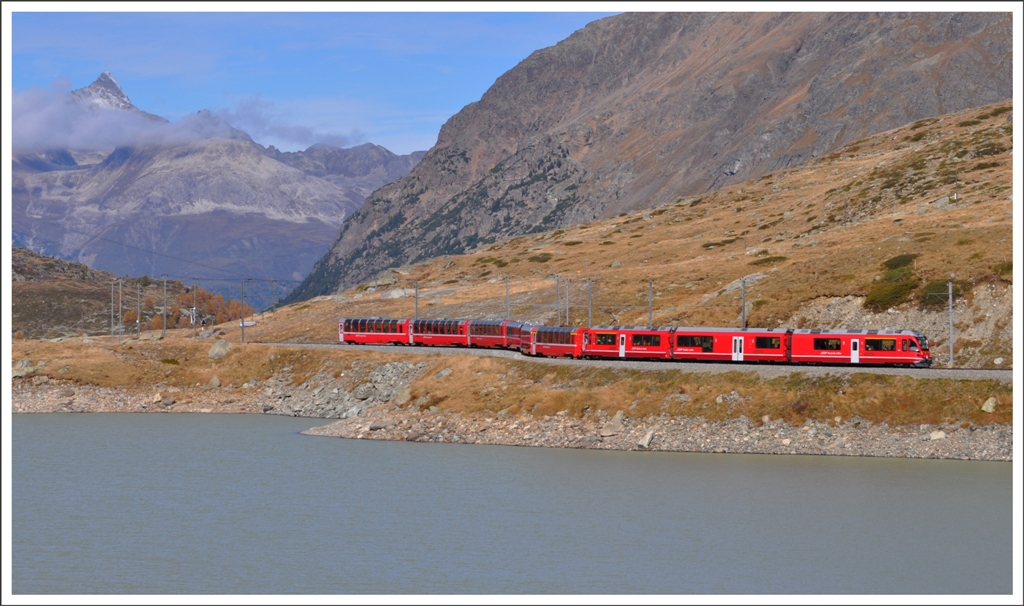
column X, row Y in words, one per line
column 55, row 298
column 204, row 200
column 809, row 247
column 639, row 110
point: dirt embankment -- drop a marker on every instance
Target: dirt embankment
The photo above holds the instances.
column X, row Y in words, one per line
column 465, row 399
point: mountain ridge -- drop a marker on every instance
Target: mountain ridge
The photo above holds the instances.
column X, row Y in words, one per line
column 638, row 110
column 209, row 193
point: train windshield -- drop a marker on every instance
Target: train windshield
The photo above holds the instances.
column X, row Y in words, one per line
column 924, row 342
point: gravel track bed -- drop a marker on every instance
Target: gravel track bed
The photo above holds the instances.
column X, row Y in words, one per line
column 765, row 371
column 377, row 405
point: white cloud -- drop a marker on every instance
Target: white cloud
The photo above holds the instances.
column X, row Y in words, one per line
column 45, row 119
column 262, row 120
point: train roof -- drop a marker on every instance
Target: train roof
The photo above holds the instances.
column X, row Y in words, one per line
column 780, row 331
column 839, row 331
column 649, row 329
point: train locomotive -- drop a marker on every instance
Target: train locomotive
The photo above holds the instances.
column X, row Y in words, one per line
column 686, row 344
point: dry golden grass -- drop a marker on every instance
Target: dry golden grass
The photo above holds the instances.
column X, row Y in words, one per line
column 487, row 386
column 827, row 228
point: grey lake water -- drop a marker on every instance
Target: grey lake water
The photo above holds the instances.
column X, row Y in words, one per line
column 244, row 504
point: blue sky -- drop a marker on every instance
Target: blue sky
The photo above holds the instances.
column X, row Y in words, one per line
column 289, row 78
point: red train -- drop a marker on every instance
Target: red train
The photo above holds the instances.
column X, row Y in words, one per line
column 779, row 345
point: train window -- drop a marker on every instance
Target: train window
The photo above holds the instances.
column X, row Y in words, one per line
column 767, row 342
column 653, row 340
column 913, row 346
column 880, row 344
column 706, row 344
column 605, row 338
column 828, row 344
column 687, row 341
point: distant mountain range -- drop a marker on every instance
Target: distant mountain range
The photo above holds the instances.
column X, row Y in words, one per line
column 202, row 195
column 639, row 110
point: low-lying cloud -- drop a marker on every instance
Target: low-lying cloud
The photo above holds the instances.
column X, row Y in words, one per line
column 47, row 119
column 258, row 118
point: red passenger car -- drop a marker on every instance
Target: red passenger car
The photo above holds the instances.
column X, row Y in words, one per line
column 875, row 347
column 526, row 339
column 627, row 342
column 557, row 341
column 486, row 333
column 439, row 332
column 730, row 344
column 512, row 334
column 373, row 330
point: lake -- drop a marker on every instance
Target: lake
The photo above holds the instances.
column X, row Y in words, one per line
column 244, row 504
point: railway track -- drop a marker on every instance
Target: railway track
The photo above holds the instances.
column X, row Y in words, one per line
column 764, row 370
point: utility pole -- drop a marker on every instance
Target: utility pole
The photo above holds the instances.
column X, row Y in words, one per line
column 164, row 311
column 120, row 311
column 590, row 305
column 111, row 311
column 558, row 301
column 243, row 311
column 508, row 303
column 567, row 323
column 956, row 182
column 650, row 304
column 416, row 309
column 949, row 286
column 195, row 311
column 743, row 302
column 138, row 307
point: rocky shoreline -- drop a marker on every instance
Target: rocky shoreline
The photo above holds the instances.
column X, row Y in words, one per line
column 379, row 407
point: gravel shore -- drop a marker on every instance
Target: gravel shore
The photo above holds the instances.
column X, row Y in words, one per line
column 381, row 411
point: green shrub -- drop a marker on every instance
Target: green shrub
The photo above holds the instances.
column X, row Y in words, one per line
column 1004, row 268
column 936, row 292
column 572, row 243
column 902, row 274
column 885, row 295
column 173, row 361
column 969, row 123
column 900, row 261
column 541, row 258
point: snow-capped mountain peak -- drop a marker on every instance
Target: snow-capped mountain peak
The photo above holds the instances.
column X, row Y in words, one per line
column 104, row 93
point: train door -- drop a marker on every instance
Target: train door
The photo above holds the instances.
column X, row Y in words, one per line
column 410, row 329
column 854, row 351
column 622, row 345
column 737, row 349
